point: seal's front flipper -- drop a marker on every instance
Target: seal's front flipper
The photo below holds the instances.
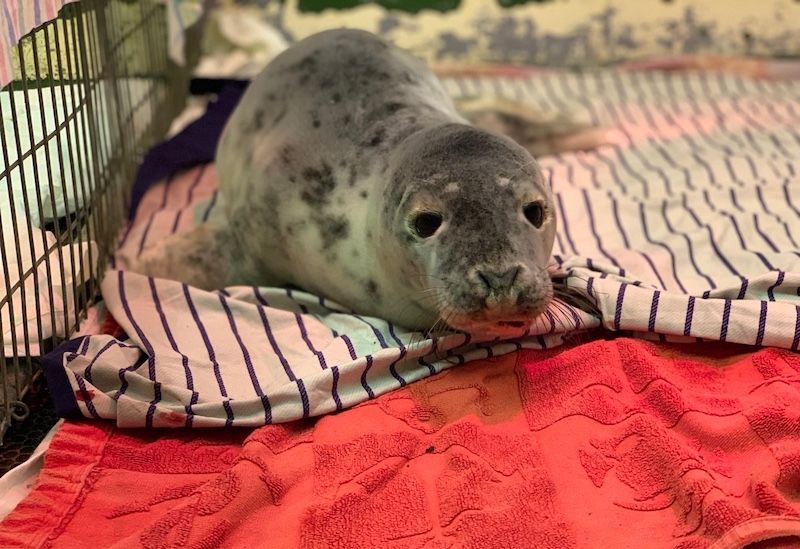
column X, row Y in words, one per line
column 198, row 257
column 540, row 132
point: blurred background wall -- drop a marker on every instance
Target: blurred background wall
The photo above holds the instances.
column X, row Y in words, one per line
column 573, row 33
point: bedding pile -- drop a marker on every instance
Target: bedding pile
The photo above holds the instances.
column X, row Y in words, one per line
column 680, row 230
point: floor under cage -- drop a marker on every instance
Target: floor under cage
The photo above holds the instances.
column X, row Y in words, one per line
column 22, row 437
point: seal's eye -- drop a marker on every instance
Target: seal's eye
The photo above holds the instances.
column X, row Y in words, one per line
column 425, row 224
column 534, row 212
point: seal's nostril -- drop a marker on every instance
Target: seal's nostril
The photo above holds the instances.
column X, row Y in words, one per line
column 499, row 281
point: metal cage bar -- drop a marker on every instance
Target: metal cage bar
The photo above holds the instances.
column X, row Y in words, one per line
column 93, row 90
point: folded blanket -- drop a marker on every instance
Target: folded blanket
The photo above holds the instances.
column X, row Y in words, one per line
column 57, row 175
column 613, row 444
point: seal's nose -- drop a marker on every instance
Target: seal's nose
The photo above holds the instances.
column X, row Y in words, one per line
column 499, row 282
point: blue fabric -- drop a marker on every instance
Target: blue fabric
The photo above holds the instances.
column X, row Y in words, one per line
column 57, row 382
column 194, row 145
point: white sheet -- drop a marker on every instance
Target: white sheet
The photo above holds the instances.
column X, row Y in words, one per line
column 20, row 314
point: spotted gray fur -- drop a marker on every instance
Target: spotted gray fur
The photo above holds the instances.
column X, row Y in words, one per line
column 356, row 139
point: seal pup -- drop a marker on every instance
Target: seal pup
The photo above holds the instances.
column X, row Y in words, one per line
column 346, row 171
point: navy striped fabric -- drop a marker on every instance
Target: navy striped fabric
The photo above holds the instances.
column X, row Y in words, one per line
column 685, row 227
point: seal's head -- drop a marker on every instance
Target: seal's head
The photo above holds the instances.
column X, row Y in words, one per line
column 476, row 222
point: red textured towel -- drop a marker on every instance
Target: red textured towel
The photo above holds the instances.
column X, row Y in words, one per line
column 608, row 444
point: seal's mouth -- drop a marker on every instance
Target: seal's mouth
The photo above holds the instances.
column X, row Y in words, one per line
column 512, row 323
column 481, row 325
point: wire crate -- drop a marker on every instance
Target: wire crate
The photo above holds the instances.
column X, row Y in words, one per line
column 92, row 91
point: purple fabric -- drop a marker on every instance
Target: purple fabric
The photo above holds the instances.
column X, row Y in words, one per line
column 195, row 145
